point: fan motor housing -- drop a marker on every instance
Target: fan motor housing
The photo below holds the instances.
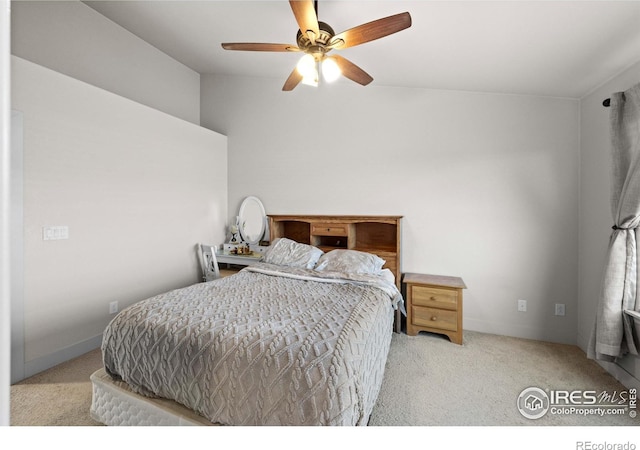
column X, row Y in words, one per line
column 326, row 33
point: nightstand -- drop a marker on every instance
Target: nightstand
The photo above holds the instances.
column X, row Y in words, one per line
column 434, row 304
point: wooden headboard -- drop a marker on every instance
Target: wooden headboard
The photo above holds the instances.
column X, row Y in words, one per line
column 379, row 235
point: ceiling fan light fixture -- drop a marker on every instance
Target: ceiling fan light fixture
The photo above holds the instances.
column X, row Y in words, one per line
column 316, row 38
column 310, row 81
column 307, row 67
column 330, row 69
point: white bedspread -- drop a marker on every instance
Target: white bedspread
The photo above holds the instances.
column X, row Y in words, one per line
column 268, row 346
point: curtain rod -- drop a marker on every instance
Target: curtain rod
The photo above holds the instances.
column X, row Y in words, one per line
column 606, row 102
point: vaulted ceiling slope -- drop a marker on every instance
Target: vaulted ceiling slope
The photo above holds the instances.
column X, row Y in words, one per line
column 548, row 48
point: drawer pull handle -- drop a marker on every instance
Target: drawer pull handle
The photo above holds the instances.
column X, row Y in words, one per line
column 434, row 318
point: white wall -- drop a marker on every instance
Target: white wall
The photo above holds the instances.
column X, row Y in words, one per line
column 71, row 38
column 5, row 204
column 17, row 246
column 138, row 190
column 487, row 184
column 595, row 208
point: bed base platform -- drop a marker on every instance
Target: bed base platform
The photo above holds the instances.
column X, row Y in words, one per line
column 114, row 403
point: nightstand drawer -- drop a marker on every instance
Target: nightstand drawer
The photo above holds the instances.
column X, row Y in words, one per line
column 332, row 229
column 434, row 297
column 434, row 318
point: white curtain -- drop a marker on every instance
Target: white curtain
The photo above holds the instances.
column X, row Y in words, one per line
column 612, row 336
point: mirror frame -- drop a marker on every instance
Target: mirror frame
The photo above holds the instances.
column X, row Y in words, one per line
column 242, row 221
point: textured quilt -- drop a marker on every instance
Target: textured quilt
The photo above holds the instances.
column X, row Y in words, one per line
column 267, row 346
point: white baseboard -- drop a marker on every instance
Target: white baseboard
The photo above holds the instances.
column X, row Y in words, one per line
column 517, row 331
column 48, row 361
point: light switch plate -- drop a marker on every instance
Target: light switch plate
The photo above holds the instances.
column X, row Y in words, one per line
column 55, row 233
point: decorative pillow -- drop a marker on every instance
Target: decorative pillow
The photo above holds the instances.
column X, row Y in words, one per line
column 286, row 252
column 350, row 261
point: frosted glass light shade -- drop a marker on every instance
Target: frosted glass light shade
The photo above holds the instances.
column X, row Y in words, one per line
column 307, row 66
column 330, row 70
column 308, row 69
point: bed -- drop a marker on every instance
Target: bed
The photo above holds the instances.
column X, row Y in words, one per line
column 299, row 339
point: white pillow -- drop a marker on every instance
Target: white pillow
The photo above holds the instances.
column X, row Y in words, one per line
column 286, row 252
column 350, row 261
column 388, row 275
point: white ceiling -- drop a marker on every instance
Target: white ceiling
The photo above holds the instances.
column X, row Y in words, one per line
column 551, row 48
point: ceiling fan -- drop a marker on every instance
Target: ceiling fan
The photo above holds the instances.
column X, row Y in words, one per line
column 316, row 39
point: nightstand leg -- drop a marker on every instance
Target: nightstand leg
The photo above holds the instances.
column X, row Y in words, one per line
column 456, row 338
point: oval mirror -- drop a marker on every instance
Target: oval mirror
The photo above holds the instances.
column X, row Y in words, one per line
column 251, row 220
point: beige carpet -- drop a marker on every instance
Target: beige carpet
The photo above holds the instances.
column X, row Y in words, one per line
column 58, row 396
column 428, row 381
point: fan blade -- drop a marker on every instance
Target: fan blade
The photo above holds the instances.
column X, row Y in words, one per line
column 306, row 17
column 351, row 71
column 294, row 79
column 371, row 31
column 258, row 47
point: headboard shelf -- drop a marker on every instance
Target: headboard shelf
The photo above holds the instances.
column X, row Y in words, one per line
column 298, row 230
column 379, row 235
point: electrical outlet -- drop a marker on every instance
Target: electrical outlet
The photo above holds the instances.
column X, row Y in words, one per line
column 522, row 305
column 113, row 307
column 559, row 309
